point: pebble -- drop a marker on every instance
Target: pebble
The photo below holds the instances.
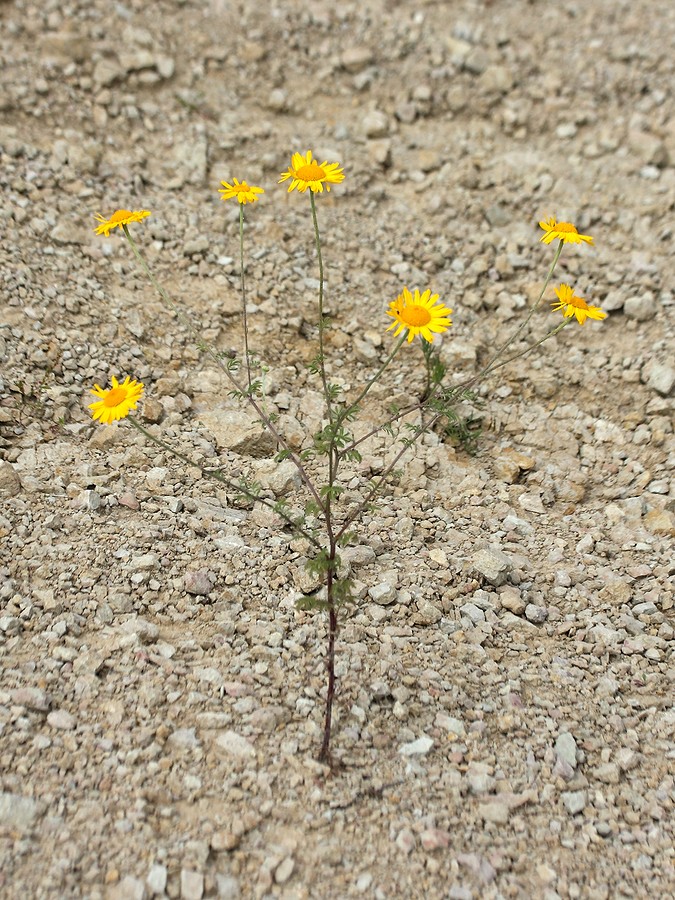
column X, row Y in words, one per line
column 191, row 885
column 156, row 880
column 284, row 870
column 574, row 801
column 493, row 565
column 494, row 811
column 536, row 614
column 199, row 582
column 511, row 599
column 235, row 745
column 61, row 719
column 10, row 483
column 419, row 747
column 17, row 811
column 383, row 593
column 566, row 749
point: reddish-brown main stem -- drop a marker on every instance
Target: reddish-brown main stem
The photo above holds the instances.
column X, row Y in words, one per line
column 324, row 754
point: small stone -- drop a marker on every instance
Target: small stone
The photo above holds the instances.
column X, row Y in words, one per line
column 32, row 698
column 472, row 613
column 660, row 521
column 531, row 502
column 17, row 811
column 626, row 759
column 427, row 613
column 10, row 483
column 476, row 61
column 608, row 773
column 183, row 737
column 129, row 888
column 383, row 593
column 420, row 747
column 355, row 59
column 375, row 124
column 156, row 880
column 661, row 379
column 494, row 811
column 405, row 840
column 573, row 801
column 235, row 744
column 61, row 719
column 454, row 727
column 510, row 599
column 641, row 308
column 566, row 749
column 434, row 839
column 284, row 870
column 536, row 614
column 228, row 887
column 191, row 885
column 128, row 499
column 493, row 565
column 153, row 410
column 147, row 632
column 198, row 582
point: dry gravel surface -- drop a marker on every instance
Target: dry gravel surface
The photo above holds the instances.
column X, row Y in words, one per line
column 505, row 723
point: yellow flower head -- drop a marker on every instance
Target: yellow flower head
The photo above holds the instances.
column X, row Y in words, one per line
column 116, row 402
column 420, row 314
column 118, row 219
column 563, row 231
column 571, row 305
column 306, row 172
column 240, row 190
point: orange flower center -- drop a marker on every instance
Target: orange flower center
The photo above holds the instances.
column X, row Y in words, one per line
column 242, row 188
column 577, row 302
column 115, row 396
column 567, row 227
column 120, row 214
column 312, row 172
column 417, row 316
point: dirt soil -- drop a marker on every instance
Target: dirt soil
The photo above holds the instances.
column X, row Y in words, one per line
column 504, row 724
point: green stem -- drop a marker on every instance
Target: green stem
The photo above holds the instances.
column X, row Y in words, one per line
column 216, row 476
column 322, row 364
column 243, row 292
column 214, row 356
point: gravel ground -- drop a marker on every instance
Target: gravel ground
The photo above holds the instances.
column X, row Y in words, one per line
column 505, row 723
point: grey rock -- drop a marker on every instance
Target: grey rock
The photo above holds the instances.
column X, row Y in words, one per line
column 228, row 887
column 61, row 719
column 420, row 747
column 494, row 811
column 376, row 124
column 129, row 888
column 661, row 378
column 427, row 613
column 147, row 632
column 284, row 870
column 473, row 613
column 32, row 698
column 450, row 724
column 493, row 565
column 566, row 749
column 536, row 614
column 236, row 430
column 191, row 885
column 17, row 811
column 641, row 308
column 156, row 880
column 608, row 773
column 235, row 745
column 383, row 593
column 574, row 801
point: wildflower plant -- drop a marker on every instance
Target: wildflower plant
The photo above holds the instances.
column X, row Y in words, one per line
column 328, row 522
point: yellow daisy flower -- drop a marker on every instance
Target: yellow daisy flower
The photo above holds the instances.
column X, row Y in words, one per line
column 571, row 305
column 420, row 314
column 563, row 231
column 240, row 190
column 306, row 172
column 116, row 402
column 118, row 219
